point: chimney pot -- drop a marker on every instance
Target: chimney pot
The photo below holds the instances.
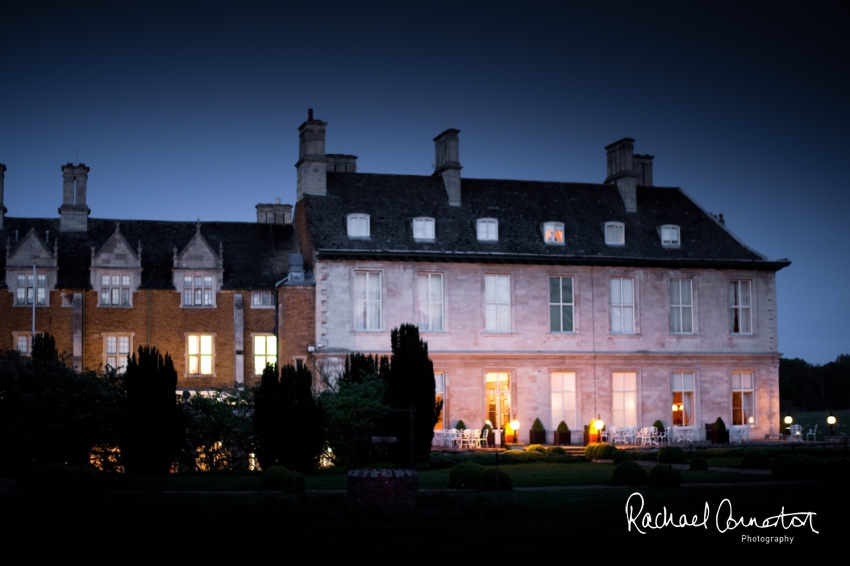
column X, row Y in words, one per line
column 447, row 163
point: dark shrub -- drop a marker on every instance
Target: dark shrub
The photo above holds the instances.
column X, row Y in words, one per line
column 535, row 448
column 671, row 455
column 273, row 477
column 466, row 476
column 790, row 468
column 658, row 425
column 590, row 450
column 556, row 450
column 605, row 451
column 293, row 482
column 563, row 428
column 664, row 476
column 537, row 426
column 756, row 459
column 629, row 473
column 836, row 472
column 495, row 479
column 60, row 479
column 521, row 457
column 621, row 456
column 460, row 425
column 699, row 464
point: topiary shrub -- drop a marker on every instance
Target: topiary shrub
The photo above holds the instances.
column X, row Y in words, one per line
column 466, row 476
column 671, row 455
column 563, row 428
column 495, row 479
column 756, row 459
column 590, row 450
column 629, row 473
column 562, row 435
column 720, row 432
column 537, row 426
column 535, row 448
column 621, row 456
column 699, row 464
column 460, row 425
column 599, row 451
column 658, row 425
column 273, row 477
column 556, row 450
column 664, row 476
column 293, row 482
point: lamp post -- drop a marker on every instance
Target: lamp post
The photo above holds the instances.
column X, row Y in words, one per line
column 830, row 420
column 515, row 427
column 598, row 424
column 788, row 421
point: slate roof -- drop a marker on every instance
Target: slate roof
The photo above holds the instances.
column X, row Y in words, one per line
column 392, row 201
column 255, row 255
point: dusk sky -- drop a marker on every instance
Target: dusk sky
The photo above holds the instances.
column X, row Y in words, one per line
column 188, row 110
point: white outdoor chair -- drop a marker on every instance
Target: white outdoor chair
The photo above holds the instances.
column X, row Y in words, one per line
column 813, row 432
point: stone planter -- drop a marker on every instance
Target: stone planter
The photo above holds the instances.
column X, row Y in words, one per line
column 537, row 437
column 561, row 438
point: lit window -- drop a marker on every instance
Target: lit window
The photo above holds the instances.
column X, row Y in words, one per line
column 497, row 390
column 487, row 229
column 265, row 352
column 439, row 395
column 742, row 398
column 423, row 228
column 624, row 397
column 615, row 234
column 200, row 354
column 358, row 225
column 740, row 306
column 116, row 348
column 563, row 398
column 31, row 287
column 553, row 232
column 367, row 300
column 681, row 306
column 561, row 304
column 262, row 298
column 670, row 236
column 682, row 388
column 114, row 290
column 622, row 305
column 198, row 291
column 497, row 303
column 430, row 302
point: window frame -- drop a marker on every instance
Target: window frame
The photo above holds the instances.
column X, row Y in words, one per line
column 426, row 224
column 265, row 301
column 628, row 416
column 16, row 337
column 737, row 310
column 561, row 305
column 622, row 306
column 686, row 398
column 358, row 225
column 739, row 416
column 676, row 311
column 266, row 357
column 203, row 296
column 200, row 355
column 124, row 288
column 361, row 304
column 501, row 309
column 611, row 239
column 668, row 242
column 551, row 231
column 427, row 304
column 118, row 337
column 440, row 394
column 487, row 229
column 566, row 414
column 31, row 288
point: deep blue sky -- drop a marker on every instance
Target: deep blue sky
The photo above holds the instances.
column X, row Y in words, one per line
column 185, row 110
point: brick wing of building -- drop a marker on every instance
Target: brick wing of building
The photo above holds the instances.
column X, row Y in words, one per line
column 557, row 301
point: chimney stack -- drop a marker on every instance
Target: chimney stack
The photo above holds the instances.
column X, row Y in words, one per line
column 2, row 181
column 74, row 214
column 339, row 163
column 274, row 213
column 447, row 163
column 643, row 168
column 621, row 170
column 312, row 164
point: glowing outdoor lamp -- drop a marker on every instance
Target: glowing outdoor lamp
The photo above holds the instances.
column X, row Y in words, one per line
column 598, row 424
column 788, row 421
column 515, row 427
column 830, row 420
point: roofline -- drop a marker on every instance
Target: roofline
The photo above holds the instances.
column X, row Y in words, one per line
column 477, row 257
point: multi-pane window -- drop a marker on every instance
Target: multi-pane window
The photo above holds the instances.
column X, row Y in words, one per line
column 497, row 388
column 430, row 302
column 265, row 352
column 200, row 354
column 115, row 290
column 262, row 298
column 563, row 398
column 358, row 225
column 198, row 291
column 497, row 303
column 440, row 395
column 681, row 306
column 23, row 342
column 31, row 288
column 622, row 305
column 670, row 236
column 423, row 228
column 624, row 398
column 367, row 300
column 116, row 348
column 615, row 234
column 487, row 229
column 553, row 232
column 561, row 304
column 682, row 388
column 740, row 307
column 742, row 398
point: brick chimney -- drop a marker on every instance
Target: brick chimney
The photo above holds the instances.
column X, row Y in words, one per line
column 643, row 168
column 74, row 214
column 312, row 163
column 621, row 170
column 447, row 163
column 274, row 213
column 339, row 163
column 2, row 181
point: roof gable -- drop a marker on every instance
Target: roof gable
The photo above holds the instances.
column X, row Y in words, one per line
column 116, row 252
column 31, row 250
column 198, row 254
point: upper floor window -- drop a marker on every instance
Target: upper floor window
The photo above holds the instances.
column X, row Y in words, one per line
column 31, row 288
column 553, row 232
column 358, row 225
column 367, row 300
column 681, row 306
column 198, row 291
column 561, row 304
column 115, row 290
column 262, row 298
column 615, row 234
column 740, row 307
column 497, row 303
column 116, row 349
column 670, row 236
column 430, row 302
column 423, row 228
column 487, row 229
column 622, row 305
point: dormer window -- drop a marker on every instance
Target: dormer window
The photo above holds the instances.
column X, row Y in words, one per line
column 423, row 228
column 115, row 290
column 615, row 234
column 487, row 229
column 670, row 236
column 553, row 233
column 198, row 291
column 358, row 225
column 31, row 288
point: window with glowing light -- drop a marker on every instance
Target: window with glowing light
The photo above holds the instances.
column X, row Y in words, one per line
column 200, row 355
column 265, row 352
column 116, row 348
column 682, row 389
column 743, row 407
column 553, row 233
